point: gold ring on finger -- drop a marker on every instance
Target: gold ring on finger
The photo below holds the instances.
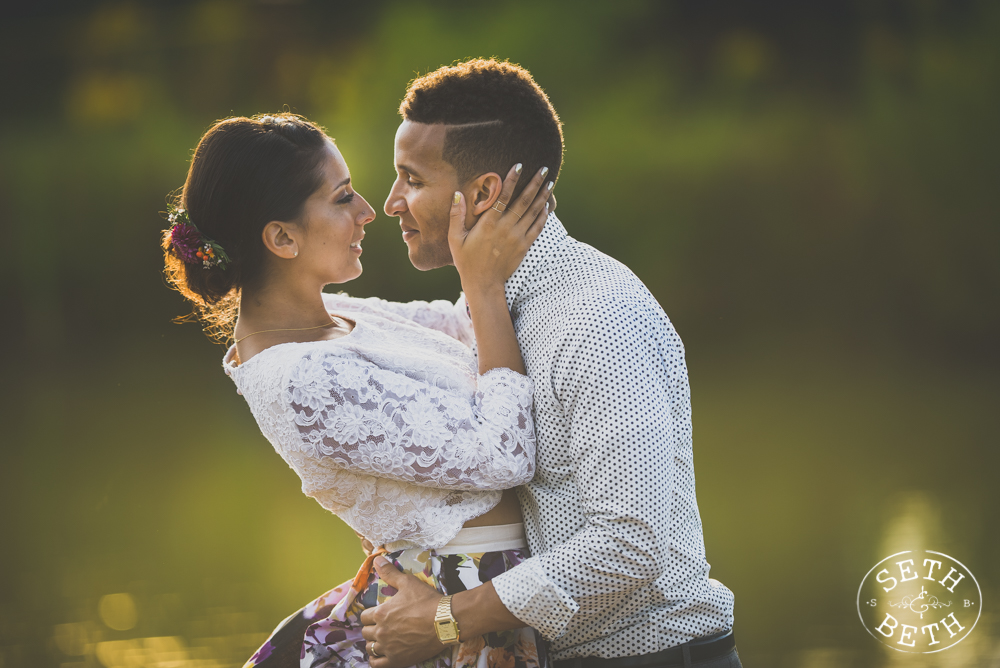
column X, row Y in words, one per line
column 499, row 206
column 371, row 651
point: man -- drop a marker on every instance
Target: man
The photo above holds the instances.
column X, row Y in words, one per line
column 619, row 576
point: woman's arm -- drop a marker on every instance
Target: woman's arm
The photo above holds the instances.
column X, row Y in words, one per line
column 371, row 420
column 487, row 254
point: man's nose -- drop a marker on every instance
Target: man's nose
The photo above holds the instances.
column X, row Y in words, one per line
column 394, row 204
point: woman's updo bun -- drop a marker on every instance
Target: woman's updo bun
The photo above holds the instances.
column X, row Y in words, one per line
column 245, row 173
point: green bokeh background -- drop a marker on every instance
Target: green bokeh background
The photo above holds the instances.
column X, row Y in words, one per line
column 809, row 189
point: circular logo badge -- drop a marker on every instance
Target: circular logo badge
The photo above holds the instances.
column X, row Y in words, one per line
column 919, row 601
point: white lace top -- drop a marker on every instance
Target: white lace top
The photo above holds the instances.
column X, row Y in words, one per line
column 389, row 426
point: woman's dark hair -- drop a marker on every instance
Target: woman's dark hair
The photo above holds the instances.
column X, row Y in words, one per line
column 245, row 173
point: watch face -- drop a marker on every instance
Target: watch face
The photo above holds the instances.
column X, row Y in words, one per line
column 447, row 630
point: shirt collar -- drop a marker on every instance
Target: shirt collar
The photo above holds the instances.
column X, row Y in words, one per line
column 552, row 237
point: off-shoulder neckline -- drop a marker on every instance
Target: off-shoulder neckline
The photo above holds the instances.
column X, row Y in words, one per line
column 227, row 359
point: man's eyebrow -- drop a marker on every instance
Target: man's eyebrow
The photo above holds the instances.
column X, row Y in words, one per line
column 409, row 170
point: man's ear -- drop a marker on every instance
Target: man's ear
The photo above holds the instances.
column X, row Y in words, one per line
column 481, row 192
column 282, row 239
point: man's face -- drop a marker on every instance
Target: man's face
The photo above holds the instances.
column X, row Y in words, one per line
column 421, row 196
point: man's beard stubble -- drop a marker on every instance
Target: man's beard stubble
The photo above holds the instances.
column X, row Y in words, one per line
column 435, row 253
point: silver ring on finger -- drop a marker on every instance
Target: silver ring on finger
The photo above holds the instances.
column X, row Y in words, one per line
column 371, row 651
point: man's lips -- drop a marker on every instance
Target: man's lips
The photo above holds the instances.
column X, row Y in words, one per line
column 408, row 232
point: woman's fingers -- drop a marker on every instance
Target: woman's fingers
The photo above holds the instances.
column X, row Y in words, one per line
column 496, row 244
column 528, row 195
column 539, row 207
column 456, row 223
column 535, row 228
column 509, row 183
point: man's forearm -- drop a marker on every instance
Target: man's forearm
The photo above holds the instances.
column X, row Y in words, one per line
column 479, row 611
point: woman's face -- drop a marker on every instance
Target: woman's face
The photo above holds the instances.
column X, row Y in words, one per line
column 332, row 224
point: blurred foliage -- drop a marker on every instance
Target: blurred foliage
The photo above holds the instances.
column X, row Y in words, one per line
column 807, row 188
column 746, row 174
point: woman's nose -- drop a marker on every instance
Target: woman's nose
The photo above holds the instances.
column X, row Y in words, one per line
column 368, row 215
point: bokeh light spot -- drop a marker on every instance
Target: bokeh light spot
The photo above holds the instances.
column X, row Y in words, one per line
column 118, row 611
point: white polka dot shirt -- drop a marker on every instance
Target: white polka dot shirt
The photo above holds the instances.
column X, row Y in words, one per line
column 611, row 515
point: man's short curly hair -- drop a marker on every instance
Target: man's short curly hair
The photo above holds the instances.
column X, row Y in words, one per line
column 500, row 117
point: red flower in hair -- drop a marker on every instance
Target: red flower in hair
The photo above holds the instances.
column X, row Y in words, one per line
column 186, row 242
column 190, row 245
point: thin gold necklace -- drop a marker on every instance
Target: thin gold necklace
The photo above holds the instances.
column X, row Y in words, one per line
column 286, row 329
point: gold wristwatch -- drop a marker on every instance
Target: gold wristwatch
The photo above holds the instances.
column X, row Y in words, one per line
column 445, row 624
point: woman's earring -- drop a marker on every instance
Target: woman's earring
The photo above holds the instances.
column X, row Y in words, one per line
column 296, row 254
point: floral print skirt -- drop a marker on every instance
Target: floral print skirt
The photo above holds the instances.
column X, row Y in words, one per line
column 327, row 632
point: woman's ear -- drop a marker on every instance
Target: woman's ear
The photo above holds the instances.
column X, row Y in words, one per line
column 281, row 239
column 482, row 191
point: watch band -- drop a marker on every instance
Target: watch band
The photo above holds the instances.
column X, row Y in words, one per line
column 445, row 624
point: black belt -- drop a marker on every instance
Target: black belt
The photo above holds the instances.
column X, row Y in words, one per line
column 699, row 649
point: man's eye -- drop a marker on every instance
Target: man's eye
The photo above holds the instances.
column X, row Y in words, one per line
column 413, row 184
column 346, row 199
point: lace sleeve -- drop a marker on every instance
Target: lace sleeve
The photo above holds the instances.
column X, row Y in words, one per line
column 382, row 423
column 442, row 315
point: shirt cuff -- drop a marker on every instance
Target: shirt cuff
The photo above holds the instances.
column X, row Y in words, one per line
column 528, row 593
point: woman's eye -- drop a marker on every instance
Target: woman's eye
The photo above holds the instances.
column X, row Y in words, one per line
column 346, row 199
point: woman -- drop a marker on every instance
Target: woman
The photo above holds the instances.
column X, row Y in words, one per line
column 377, row 406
